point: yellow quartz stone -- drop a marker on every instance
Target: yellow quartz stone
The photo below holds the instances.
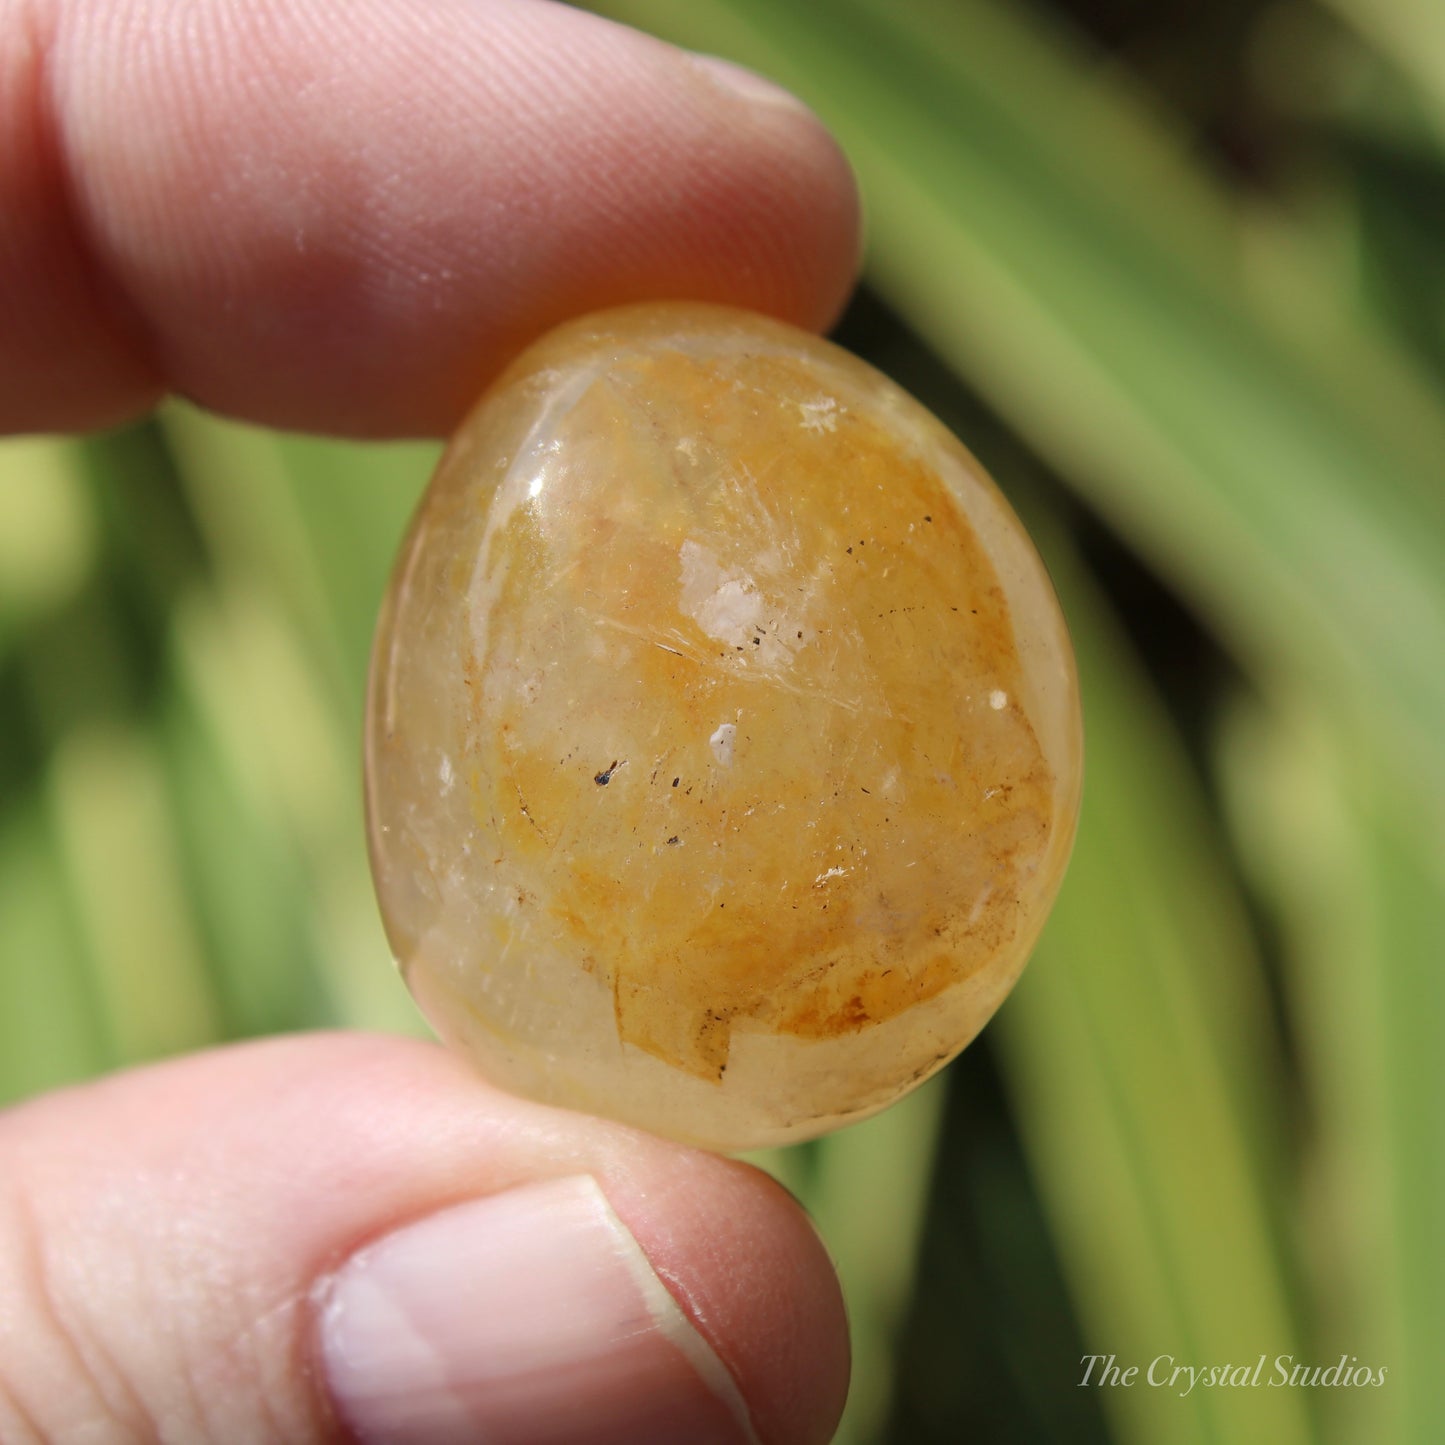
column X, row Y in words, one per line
column 723, row 749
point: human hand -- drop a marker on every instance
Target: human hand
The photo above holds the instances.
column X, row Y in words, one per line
column 344, row 215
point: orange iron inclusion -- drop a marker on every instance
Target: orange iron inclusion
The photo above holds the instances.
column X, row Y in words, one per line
column 723, row 746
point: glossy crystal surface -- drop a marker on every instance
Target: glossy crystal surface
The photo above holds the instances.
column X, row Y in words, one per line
column 723, row 748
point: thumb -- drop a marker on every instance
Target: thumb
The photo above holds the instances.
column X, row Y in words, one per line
column 339, row 1236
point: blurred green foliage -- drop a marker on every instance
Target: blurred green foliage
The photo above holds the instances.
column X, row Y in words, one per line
column 1174, row 272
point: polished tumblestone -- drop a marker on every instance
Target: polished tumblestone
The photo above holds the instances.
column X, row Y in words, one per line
column 723, row 746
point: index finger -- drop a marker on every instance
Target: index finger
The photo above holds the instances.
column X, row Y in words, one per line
column 345, row 215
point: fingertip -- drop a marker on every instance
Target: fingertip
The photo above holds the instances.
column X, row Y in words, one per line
column 752, row 1273
column 525, row 1313
column 354, row 238
column 824, row 268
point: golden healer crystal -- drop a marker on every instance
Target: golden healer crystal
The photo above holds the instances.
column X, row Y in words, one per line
column 723, row 746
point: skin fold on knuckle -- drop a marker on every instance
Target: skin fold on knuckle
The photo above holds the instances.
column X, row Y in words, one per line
column 115, row 1324
column 56, row 1383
